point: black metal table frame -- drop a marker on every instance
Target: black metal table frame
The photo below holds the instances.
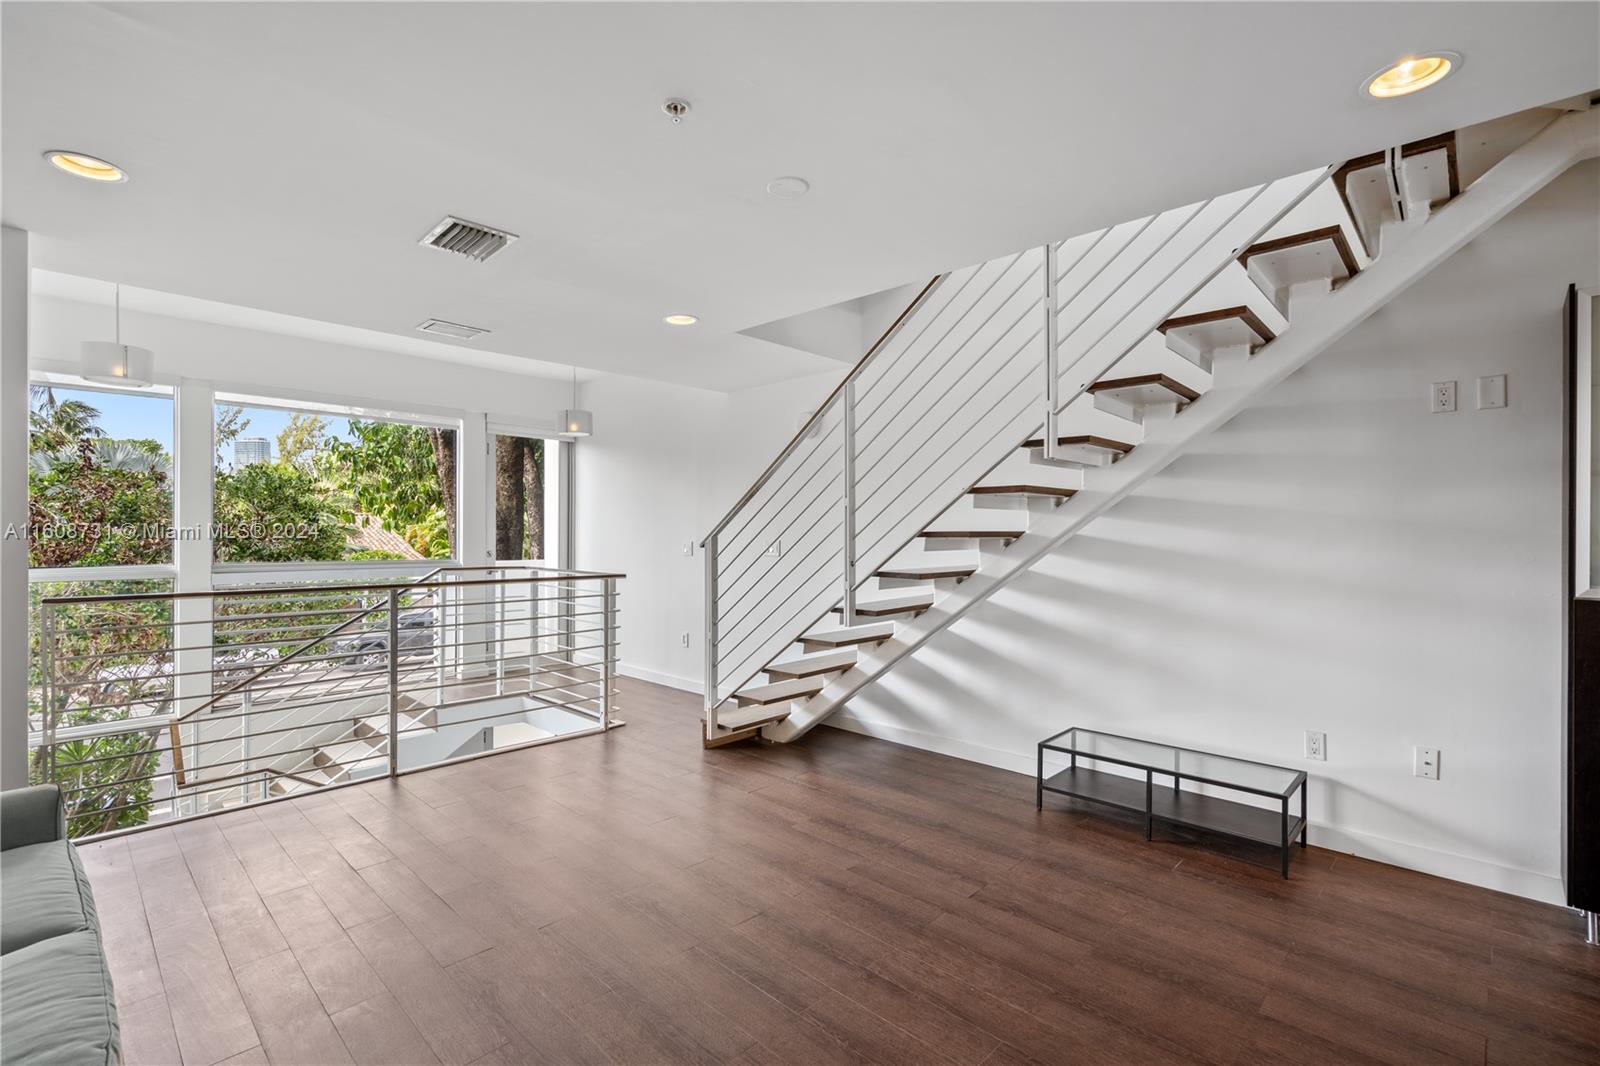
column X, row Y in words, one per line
column 1150, row 772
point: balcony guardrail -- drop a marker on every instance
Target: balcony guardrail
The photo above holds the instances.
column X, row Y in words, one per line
column 161, row 705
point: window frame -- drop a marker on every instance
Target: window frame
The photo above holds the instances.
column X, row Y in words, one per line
column 121, row 571
column 557, row 488
column 237, row 574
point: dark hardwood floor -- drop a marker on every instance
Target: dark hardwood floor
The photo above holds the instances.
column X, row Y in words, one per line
column 633, row 899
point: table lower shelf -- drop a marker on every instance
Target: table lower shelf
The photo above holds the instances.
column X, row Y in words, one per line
column 1175, row 806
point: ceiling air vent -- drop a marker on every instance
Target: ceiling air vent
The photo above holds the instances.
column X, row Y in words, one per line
column 471, row 239
column 450, row 329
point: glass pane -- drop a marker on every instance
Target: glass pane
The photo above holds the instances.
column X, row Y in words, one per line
column 105, row 662
column 300, row 486
column 1170, row 759
column 99, row 477
column 525, row 493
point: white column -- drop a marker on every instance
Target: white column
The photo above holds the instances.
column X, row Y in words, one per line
column 14, row 287
column 474, row 547
column 193, row 452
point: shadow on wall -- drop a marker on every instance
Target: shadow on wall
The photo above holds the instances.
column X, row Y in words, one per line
column 1335, row 559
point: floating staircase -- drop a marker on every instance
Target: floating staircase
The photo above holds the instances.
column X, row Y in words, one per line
column 363, row 752
column 1193, row 314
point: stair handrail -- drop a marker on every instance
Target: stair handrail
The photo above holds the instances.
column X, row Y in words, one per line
column 1054, row 400
column 822, row 410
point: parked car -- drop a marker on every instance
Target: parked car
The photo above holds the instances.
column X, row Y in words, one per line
column 371, row 646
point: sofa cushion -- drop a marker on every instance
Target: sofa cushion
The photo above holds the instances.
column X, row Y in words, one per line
column 45, row 894
column 58, row 1003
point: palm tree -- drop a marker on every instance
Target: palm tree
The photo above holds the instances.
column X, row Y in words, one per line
column 56, row 424
column 104, row 453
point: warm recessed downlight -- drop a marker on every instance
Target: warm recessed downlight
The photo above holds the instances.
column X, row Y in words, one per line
column 680, row 320
column 1411, row 74
column 85, row 166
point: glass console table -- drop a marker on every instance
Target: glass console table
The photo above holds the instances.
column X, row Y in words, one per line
column 1147, row 792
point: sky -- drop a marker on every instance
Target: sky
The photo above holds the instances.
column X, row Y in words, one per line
column 126, row 415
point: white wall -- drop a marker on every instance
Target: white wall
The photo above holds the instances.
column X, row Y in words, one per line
column 235, row 359
column 639, row 482
column 1335, row 559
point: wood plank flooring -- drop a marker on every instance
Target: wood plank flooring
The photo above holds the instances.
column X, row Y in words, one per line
column 633, row 899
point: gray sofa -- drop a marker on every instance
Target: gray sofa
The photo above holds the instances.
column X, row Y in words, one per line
column 56, row 1004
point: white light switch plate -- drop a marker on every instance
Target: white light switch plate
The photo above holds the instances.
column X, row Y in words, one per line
column 1491, row 392
column 1425, row 763
column 688, row 547
column 1442, row 397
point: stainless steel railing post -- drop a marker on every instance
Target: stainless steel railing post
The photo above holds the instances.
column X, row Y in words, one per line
column 849, row 405
column 394, row 682
column 1052, row 372
column 609, row 650
column 711, row 636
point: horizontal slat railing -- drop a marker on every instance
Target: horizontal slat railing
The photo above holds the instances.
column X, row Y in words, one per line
column 954, row 388
column 293, row 687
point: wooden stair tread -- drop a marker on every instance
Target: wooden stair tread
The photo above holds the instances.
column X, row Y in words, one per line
column 914, row 603
column 1333, row 234
column 871, row 633
column 1241, row 313
column 1377, row 161
column 926, row 573
column 1161, row 381
column 1087, row 440
column 751, row 718
column 778, row 692
column 973, row 534
column 825, row 662
column 1021, row 490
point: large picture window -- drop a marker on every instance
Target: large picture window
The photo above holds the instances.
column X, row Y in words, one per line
column 99, row 477
column 298, row 486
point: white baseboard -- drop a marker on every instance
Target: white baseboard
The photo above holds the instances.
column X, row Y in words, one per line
column 1545, row 888
column 656, row 677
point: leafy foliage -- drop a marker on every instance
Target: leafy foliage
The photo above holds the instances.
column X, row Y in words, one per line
column 302, row 440
column 274, row 512
column 390, row 470
column 110, row 661
column 85, row 514
column 58, row 424
column 231, row 422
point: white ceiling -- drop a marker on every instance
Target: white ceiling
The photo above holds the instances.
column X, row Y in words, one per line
column 287, row 157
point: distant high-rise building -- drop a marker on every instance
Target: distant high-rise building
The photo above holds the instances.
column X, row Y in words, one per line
column 247, row 450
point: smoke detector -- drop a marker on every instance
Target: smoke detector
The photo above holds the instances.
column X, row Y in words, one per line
column 676, row 108
column 440, row 327
column 471, row 239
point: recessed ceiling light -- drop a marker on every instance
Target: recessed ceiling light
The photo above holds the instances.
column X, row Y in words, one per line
column 85, row 166
column 788, row 188
column 680, row 320
column 1411, row 74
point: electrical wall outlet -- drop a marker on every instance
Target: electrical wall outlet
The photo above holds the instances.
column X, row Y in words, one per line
column 1442, row 397
column 688, row 547
column 1316, row 745
column 684, row 639
column 1491, row 392
column 1425, row 763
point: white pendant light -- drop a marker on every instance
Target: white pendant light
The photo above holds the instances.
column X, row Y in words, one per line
column 115, row 363
column 576, row 422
